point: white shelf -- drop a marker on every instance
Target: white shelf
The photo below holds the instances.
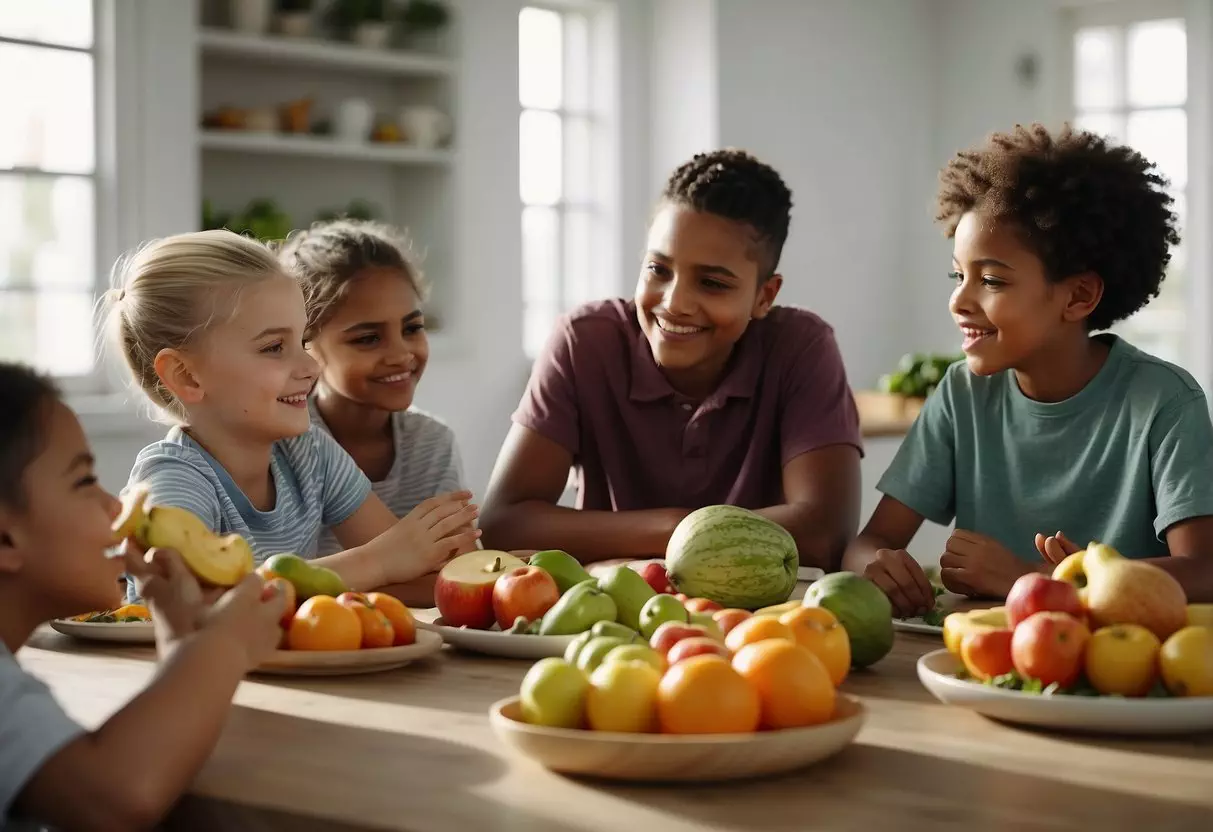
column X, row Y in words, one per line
column 235, row 141
column 282, row 50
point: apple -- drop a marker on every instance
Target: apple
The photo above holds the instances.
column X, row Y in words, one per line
column 702, row 605
column 1034, row 592
column 463, row 591
column 528, row 592
column 987, row 653
column 672, row 632
column 288, row 593
column 623, row 697
column 694, row 646
column 553, row 693
column 1122, row 659
column 654, row 575
column 1049, row 646
column 637, row 653
column 377, row 630
column 681, row 596
column 729, row 618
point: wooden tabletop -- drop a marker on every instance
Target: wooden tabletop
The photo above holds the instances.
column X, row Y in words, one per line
column 412, row 749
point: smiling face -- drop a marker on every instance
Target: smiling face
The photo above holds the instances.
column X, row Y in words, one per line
column 54, row 543
column 250, row 374
column 1008, row 312
column 698, row 290
column 373, row 349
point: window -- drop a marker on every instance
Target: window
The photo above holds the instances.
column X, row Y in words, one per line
column 1130, row 74
column 565, row 164
column 48, row 237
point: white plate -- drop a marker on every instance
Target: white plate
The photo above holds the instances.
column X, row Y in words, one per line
column 916, row 625
column 1087, row 714
column 130, row 632
column 347, row 662
column 497, row 643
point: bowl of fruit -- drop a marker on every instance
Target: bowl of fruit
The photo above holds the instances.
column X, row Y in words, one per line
column 1106, row 645
column 682, row 700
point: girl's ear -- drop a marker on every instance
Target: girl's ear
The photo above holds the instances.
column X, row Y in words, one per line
column 178, row 376
column 1085, row 292
column 767, row 291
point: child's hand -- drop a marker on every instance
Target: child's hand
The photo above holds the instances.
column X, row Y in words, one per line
column 248, row 615
column 171, row 591
column 428, row 536
column 976, row 565
column 1055, row 548
column 901, row 578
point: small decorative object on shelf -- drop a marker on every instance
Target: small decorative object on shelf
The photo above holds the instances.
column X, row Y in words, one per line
column 296, row 116
column 425, row 22
column 917, row 374
column 365, row 22
column 261, row 218
column 295, row 18
column 425, row 127
column 250, row 16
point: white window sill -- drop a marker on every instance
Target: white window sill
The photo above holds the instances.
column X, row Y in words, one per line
column 113, row 414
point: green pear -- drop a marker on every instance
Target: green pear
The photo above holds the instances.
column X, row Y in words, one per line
column 629, row 591
column 307, row 578
column 595, row 651
column 576, row 645
column 658, row 610
column 578, row 610
column 614, row 628
column 636, row 652
column 553, row 694
column 562, row 566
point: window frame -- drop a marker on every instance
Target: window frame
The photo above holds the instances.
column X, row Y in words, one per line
column 1198, row 26
column 603, row 116
column 111, row 212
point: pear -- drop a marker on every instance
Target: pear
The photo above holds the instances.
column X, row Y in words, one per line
column 1120, row 590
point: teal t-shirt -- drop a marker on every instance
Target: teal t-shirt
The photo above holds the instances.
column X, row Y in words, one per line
column 1120, row 461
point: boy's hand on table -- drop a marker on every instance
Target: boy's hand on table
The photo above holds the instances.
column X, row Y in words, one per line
column 901, row 578
column 974, row 564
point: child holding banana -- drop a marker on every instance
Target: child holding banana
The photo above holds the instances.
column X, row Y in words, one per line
column 53, row 770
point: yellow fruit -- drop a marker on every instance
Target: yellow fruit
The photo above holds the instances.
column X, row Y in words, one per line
column 132, row 519
column 1071, row 570
column 959, row 624
column 817, row 629
column 1186, row 661
column 1200, row 615
column 1120, row 590
column 779, row 609
column 132, row 611
column 1122, row 659
column 623, row 697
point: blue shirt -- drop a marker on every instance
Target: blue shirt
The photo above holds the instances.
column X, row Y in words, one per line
column 316, row 484
column 1119, row 462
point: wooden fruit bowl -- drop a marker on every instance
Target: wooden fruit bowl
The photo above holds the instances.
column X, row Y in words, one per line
column 677, row 758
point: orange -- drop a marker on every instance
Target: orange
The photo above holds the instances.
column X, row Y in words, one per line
column 705, row 695
column 321, row 623
column 403, row 624
column 757, row 628
column 817, row 629
column 793, row 685
column 376, row 629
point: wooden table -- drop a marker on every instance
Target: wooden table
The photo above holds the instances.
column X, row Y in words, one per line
column 412, row 749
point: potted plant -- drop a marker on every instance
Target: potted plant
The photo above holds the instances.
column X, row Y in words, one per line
column 425, row 21
column 295, row 18
column 250, row 16
column 363, row 21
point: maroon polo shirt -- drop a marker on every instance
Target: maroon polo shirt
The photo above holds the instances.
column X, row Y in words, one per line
column 637, row 443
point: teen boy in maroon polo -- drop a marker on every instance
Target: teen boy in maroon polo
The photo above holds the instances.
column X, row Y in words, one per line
column 698, row 391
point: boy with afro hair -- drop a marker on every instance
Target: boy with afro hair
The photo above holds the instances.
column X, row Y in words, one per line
column 696, row 391
column 1049, row 436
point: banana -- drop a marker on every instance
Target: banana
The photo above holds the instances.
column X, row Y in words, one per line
column 214, row 559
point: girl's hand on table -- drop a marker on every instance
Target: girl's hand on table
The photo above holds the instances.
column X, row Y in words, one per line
column 428, row 536
column 1056, row 547
column 976, row 565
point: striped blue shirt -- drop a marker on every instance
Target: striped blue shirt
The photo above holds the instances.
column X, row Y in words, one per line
column 426, row 464
column 316, row 483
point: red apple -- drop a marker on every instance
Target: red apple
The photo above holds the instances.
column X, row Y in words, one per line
column 682, row 597
column 528, row 592
column 463, row 591
column 727, row 619
column 654, row 575
column 1035, row 592
column 702, row 605
column 670, row 633
column 694, row 646
column 1049, row 646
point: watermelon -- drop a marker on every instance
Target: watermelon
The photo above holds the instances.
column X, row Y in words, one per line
column 732, row 556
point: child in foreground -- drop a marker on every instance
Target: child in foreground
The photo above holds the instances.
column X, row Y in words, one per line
column 53, row 770
column 365, row 326
column 212, row 329
column 1049, row 433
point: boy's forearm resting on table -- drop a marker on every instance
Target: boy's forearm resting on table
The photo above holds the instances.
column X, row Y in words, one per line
column 1194, row 573
column 130, row 772
column 587, row 535
column 821, row 536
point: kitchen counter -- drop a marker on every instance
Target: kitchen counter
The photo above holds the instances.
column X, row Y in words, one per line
column 882, row 414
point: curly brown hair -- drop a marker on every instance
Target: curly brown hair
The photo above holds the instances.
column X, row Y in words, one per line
column 1080, row 203
column 329, row 255
column 731, row 183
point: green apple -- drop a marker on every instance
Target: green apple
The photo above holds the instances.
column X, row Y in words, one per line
column 629, row 591
column 658, row 610
column 623, row 697
column 576, row 645
column 578, row 610
column 636, row 653
column 705, row 620
column 562, row 566
column 307, row 578
column 593, row 653
column 553, row 694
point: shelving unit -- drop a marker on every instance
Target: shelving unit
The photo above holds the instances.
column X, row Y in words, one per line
column 239, row 141
column 276, row 49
